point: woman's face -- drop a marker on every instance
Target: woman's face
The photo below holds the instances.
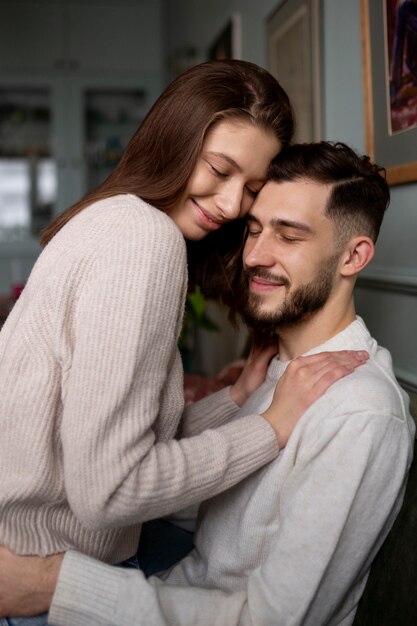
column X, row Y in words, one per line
column 229, row 173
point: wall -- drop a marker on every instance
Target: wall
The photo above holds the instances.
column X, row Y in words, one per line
column 387, row 296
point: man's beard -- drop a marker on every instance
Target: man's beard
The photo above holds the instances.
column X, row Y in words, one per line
column 296, row 306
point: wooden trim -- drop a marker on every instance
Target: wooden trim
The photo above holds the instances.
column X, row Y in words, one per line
column 399, row 284
column 399, row 174
column 367, row 79
column 402, row 174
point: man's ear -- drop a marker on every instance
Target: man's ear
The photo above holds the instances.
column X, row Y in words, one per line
column 359, row 251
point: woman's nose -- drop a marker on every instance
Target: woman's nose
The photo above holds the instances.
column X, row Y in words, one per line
column 230, row 200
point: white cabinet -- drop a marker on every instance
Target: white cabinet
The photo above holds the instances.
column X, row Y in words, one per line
column 30, row 36
column 58, row 139
column 96, row 67
column 97, row 117
column 70, row 49
column 87, row 36
column 80, row 123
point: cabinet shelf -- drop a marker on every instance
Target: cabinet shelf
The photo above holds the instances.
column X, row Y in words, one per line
column 111, row 117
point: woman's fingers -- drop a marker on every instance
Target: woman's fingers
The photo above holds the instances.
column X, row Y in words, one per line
column 314, row 362
column 313, row 366
column 304, row 381
column 253, row 374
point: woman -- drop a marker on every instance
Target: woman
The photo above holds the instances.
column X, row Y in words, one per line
column 90, row 376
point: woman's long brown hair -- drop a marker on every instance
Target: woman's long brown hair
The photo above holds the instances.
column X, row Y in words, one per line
column 163, row 152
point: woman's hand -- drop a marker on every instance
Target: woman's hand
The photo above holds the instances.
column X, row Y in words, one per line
column 304, row 381
column 27, row 583
column 253, row 373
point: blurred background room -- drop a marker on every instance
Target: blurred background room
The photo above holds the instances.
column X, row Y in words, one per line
column 78, row 76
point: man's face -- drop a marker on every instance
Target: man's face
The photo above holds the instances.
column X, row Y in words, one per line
column 289, row 258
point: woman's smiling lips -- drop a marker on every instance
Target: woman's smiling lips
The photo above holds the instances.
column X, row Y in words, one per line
column 205, row 219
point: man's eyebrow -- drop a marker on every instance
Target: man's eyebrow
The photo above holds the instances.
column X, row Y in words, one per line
column 281, row 223
column 291, row 224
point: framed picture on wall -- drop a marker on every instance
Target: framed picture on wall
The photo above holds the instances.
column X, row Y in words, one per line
column 389, row 36
column 294, row 58
column 227, row 44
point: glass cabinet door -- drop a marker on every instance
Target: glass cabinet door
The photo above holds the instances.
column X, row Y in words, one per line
column 28, row 176
column 111, row 116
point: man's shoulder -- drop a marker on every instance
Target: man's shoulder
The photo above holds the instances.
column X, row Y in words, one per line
column 371, row 388
column 367, row 406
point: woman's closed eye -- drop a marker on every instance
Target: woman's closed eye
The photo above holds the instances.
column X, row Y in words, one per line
column 217, row 172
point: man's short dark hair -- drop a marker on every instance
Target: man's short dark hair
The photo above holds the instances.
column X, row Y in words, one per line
column 359, row 192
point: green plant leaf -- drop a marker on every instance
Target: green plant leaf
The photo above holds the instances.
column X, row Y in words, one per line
column 197, row 303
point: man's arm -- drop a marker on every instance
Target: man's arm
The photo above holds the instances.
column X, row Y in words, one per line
column 333, row 516
column 90, row 593
column 86, row 592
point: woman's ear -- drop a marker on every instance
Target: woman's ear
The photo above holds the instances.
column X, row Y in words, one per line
column 358, row 253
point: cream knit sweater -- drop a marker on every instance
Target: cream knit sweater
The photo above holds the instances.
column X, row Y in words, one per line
column 91, row 392
column 292, row 544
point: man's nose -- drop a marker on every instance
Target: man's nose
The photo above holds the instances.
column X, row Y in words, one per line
column 258, row 252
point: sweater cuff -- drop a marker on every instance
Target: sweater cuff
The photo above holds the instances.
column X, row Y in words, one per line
column 86, row 592
column 252, row 444
column 212, row 411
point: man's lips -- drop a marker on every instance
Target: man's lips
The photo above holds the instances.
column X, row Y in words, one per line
column 259, row 284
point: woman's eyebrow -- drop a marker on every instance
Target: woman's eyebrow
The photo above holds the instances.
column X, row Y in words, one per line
column 227, row 158
column 234, row 164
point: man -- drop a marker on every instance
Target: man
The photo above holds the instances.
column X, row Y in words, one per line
column 293, row 543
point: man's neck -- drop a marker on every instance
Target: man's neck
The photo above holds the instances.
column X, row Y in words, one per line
column 314, row 330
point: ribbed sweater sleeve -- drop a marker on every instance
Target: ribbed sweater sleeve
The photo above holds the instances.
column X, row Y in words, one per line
column 209, row 412
column 117, row 471
column 127, row 321
column 91, row 391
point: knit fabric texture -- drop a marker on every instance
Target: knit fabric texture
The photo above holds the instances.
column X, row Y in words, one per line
column 91, row 392
column 291, row 544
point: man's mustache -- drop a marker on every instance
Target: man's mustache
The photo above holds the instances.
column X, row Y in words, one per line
column 263, row 273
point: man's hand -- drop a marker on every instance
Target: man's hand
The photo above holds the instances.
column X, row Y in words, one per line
column 27, row 583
